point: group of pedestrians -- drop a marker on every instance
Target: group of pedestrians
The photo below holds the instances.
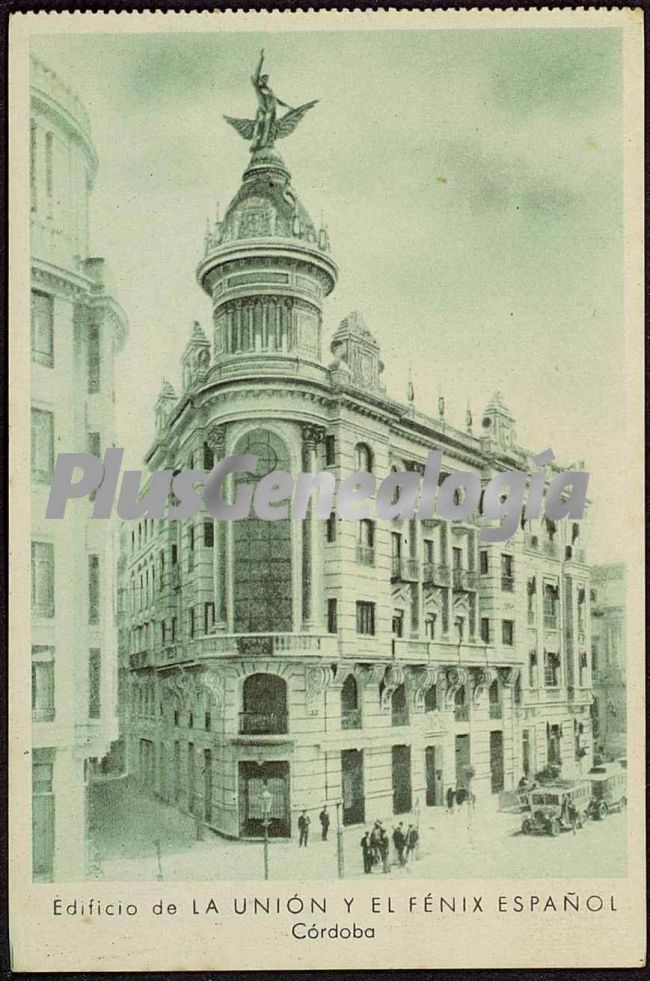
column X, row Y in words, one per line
column 375, row 846
column 303, row 826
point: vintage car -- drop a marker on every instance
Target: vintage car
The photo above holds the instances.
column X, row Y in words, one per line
column 608, row 789
column 550, row 807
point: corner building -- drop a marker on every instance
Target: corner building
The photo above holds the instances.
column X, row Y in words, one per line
column 77, row 327
column 369, row 665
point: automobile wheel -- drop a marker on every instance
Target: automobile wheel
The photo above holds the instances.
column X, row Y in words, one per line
column 602, row 810
column 527, row 826
column 555, row 828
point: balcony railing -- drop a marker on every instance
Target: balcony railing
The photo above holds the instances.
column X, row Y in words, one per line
column 43, row 714
column 464, row 579
column 507, row 584
column 405, row 568
column 139, row 659
column 263, row 723
column 350, row 718
column 400, row 717
column 366, row 554
column 550, row 621
column 496, row 710
column 438, row 575
column 461, row 713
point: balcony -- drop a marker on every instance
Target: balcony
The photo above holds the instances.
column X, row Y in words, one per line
column 550, row 621
column 464, row 579
column 551, row 549
column 405, row 569
column 140, row 659
column 400, row 717
column 461, row 713
column 507, row 584
column 496, row 710
column 350, row 718
column 43, row 714
column 410, row 650
column 436, row 574
column 366, row 555
column 263, row 723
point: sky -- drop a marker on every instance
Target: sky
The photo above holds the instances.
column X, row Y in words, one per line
column 471, row 182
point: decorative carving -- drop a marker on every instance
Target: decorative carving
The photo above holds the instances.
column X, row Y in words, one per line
column 216, row 439
column 456, row 678
column 213, row 684
column 415, row 466
column 420, row 680
column 317, row 680
column 311, row 435
column 369, row 674
column 482, row 678
column 508, row 676
column 393, row 678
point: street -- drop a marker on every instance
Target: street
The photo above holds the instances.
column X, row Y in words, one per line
column 125, row 825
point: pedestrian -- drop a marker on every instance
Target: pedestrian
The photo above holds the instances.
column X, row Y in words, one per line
column 375, row 836
column 451, row 800
column 412, row 838
column 399, row 840
column 303, row 828
column 461, row 797
column 366, row 849
column 384, row 846
column 572, row 813
column 324, row 819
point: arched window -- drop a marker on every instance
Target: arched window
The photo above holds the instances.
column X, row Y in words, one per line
column 350, row 711
column 461, row 708
column 496, row 710
column 362, row 458
column 399, row 707
column 264, row 705
column 431, row 699
column 262, row 550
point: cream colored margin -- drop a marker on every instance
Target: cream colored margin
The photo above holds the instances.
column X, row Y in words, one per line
column 42, row 943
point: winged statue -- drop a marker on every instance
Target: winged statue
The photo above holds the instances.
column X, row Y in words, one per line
column 266, row 128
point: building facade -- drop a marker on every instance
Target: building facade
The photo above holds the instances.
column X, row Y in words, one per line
column 76, row 328
column 608, row 655
column 368, row 664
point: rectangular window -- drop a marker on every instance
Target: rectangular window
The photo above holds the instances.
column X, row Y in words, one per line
column 208, row 617
column 93, row 589
column 94, row 374
column 49, row 168
column 42, row 328
column 42, row 684
column 428, row 551
column 208, row 534
column 94, row 683
column 162, row 569
column 174, row 554
column 332, row 625
column 173, row 629
column 95, row 445
column 208, row 457
column 192, row 621
column 430, row 626
column 508, row 632
column 483, row 559
column 190, row 553
column 331, row 528
column 457, row 558
column 42, row 445
column 551, row 669
column 208, row 721
column 550, row 606
column 32, row 165
column 507, row 573
column 485, row 630
column 163, row 632
column 43, row 579
column 330, row 451
column 365, row 617
column 398, row 623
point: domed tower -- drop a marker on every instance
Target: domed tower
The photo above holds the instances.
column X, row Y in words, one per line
column 266, row 266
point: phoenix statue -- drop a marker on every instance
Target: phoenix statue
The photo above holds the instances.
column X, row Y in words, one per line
column 266, row 128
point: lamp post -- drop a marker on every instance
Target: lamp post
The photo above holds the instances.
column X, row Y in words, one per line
column 266, row 810
column 340, row 862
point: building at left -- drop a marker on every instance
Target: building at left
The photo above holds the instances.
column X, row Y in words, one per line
column 77, row 327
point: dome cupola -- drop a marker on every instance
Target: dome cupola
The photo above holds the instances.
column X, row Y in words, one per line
column 267, row 267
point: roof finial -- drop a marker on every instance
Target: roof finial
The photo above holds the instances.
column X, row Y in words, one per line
column 410, row 391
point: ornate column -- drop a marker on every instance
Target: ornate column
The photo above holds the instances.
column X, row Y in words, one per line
column 313, row 613
column 216, row 440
